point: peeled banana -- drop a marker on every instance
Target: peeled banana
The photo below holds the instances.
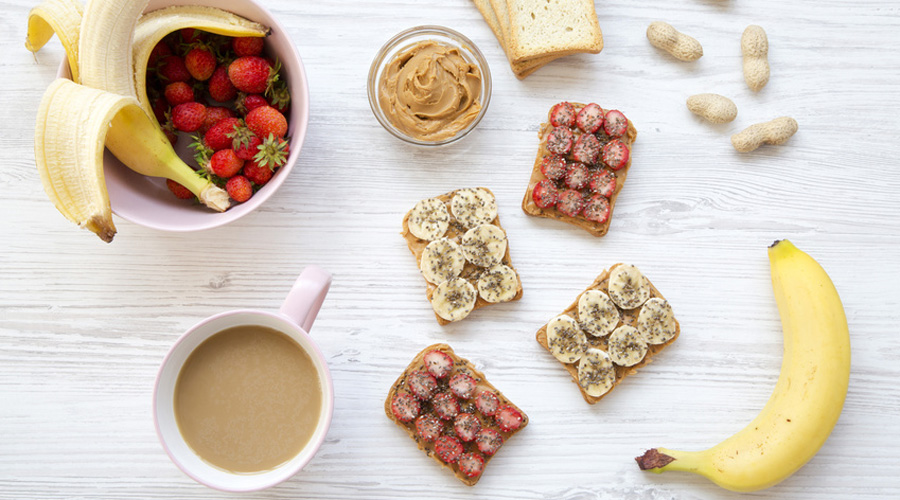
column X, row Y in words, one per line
column 809, row 395
column 62, row 17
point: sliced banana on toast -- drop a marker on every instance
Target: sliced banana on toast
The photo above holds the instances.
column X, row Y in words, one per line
column 596, row 373
column 429, row 219
column 474, row 206
column 626, row 347
column 628, row 288
column 656, row 321
column 484, row 245
column 453, row 300
column 498, row 284
column 597, row 314
column 565, row 339
column 442, row 260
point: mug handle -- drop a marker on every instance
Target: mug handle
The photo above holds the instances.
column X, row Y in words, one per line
column 306, row 296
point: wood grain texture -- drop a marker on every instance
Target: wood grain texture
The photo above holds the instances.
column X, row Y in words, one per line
column 84, row 326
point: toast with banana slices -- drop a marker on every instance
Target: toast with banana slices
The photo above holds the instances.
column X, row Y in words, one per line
column 611, row 330
column 452, row 412
column 462, row 251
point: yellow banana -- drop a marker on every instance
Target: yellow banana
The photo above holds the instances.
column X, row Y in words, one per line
column 62, row 17
column 809, row 395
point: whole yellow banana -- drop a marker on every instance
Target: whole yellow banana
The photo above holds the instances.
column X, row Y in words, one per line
column 809, row 395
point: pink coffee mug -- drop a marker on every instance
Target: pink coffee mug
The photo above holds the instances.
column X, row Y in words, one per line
column 295, row 318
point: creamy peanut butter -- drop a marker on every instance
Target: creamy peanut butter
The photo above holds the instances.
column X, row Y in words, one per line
column 430, row 92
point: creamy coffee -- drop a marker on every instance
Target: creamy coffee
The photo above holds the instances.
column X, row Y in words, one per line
column 248, row 399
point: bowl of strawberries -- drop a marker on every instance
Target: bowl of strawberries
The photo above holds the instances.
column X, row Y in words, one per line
column 235, row 109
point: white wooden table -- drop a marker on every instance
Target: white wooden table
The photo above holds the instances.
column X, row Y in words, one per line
column 84, row 325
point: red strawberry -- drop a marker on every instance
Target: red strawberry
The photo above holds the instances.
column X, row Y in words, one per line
column 280, row 97
column 615, row 124
column 438, row 363
column 246, row 151
column 590, row 118
column 466, row 426
column 508, row 418
column 189, row 35
column 545, row 194
column 249, row 102
column 577, row 175
column 179, row 93
column 404, row 406
column 597, row 209
column 445, row 405
column 448, row 449
column 488, row 441
column 553, row 167
column 239, row 188
column 225, row 163
column 266, row 120
column 422, row 384
column 172, row 69
column 217, row 137
column 200, row 63
column 180, row 192
column 160, row 50
column 586, row 149
column 615, row 154
column 257, row 174
column 220, row 87
column 247, row 45
column 462, row 385
column 160, row 108
column 250, row 74
column 487, row 403
column 471, row 464
column 428, row 427
column 215, row 114
column 562, row 115
column 570, row 202
column 559, row 140
column 603, row 182
column 189, row 116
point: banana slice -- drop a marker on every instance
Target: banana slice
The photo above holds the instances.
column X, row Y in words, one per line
column 442, row 261
column 565, row 338
column 628, row 288
column 484, row 245
column 597, row 314
column 453, row 300
column 498, row 284
column 474, row 206
column 596, row 373
column 626, row 346
column 656, row 322
column 429, row 219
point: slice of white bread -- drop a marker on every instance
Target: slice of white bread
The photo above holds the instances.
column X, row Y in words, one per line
column 551, row 27
column 499, row 23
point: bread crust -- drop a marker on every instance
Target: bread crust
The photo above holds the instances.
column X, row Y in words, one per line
column 470, row 271
column 629, row 317
column 464, row 365
column 530, row 208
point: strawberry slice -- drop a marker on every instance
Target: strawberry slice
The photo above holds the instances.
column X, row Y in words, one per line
column 597, row 209
column 438, row 363
column 404, row 406
column 428, row 427
column 615, row 154
column 466, row 426
column 487, row 403
column 422, row 384
column 562, row 115
column 577, row 175
column 560, row 140
column 614, row 123
column 445, row 405
column 448, row 448
column 462, row 385
column 570, row 202
column 590, row 118
column 471, row 464
column 553, row 167
column 488, row 441
column 603, row 182
column 586, row 149
column 508, row 418
column 545, row 194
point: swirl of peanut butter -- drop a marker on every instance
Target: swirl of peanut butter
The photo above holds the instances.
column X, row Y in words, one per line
column 430, row 92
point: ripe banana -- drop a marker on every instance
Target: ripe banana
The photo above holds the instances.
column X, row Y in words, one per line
column 809, row 395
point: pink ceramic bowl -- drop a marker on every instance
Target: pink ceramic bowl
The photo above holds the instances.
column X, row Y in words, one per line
column 148, row 202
